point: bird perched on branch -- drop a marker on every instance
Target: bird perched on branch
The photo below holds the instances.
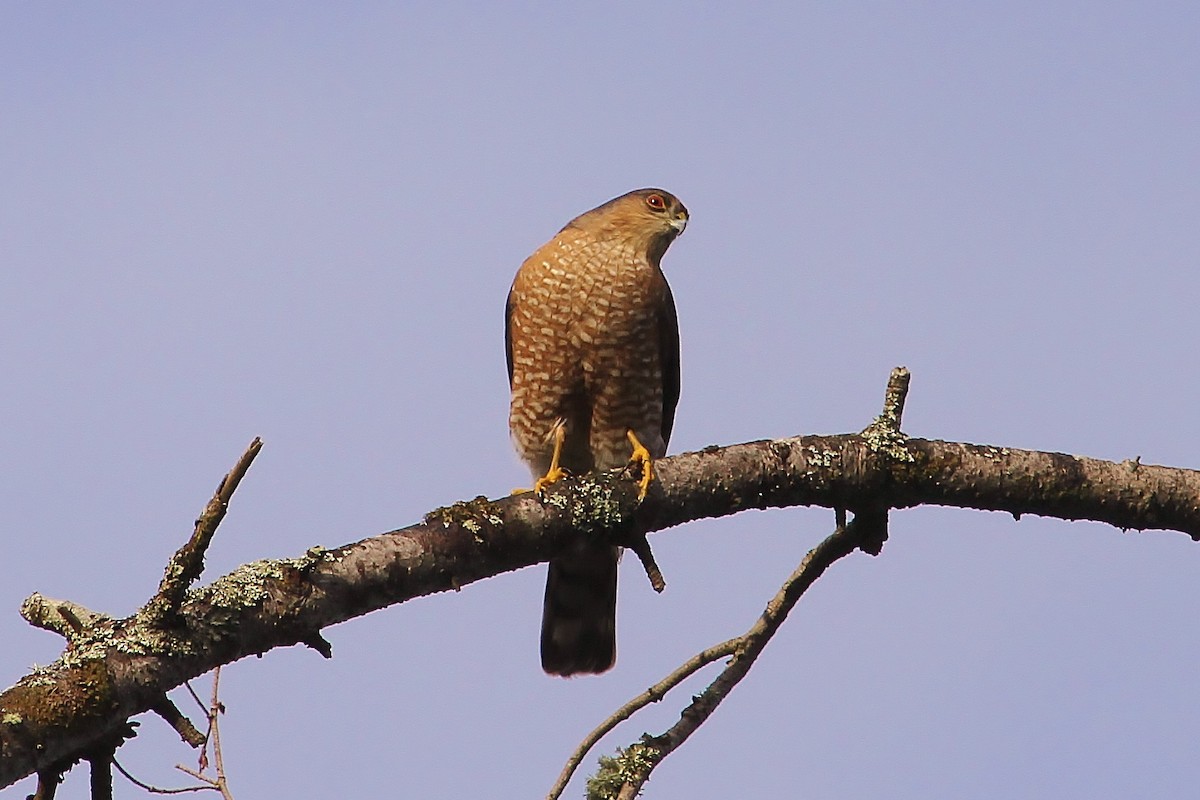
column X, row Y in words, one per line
column 593, row 365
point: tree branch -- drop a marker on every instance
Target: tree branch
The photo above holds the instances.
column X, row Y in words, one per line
column 114, row 669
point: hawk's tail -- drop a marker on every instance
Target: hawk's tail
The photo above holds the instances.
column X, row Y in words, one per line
column 579, row 615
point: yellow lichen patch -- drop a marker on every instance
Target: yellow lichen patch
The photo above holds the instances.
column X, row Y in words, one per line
column 630, row 764
column 474, row 515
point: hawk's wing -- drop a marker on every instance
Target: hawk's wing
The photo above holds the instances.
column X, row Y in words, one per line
column 668, row 349
column 508, row 312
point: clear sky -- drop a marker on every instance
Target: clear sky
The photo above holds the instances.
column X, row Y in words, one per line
column 300, row 221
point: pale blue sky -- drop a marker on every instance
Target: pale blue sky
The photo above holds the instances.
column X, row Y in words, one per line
column 226, row 220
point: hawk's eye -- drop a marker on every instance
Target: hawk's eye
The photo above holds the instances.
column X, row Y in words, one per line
column 656, row 202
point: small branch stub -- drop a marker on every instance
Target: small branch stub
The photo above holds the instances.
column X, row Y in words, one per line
column 897, row 393
column 641, row 548
column 175, row 718
column 63, row 617
column 319, row 643
column 893, row 403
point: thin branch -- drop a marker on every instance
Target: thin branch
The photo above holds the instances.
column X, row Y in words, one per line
column 158, row 789
column 652, row 695
column 188, row 562
column 635, row 764
column 215, row 710
column 220, row 783
column 213, row 738
column 209, row 783
column 196, row 697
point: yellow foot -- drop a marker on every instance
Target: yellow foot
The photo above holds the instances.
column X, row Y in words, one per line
column 555, row 473
column 552, row 476
column 641, row 456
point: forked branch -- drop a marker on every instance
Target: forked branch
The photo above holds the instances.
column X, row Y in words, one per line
column 622, row 776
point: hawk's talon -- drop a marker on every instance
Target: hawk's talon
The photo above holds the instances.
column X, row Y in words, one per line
column 552, row 476
column 555, row 473
column 641, row 456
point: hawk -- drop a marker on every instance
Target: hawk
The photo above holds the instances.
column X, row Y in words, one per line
column 593, row 365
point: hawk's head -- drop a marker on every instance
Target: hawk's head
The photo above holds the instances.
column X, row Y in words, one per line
column 649, row 218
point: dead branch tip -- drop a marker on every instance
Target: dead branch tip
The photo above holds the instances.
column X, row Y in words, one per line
column 894, row 397
column 186, row 565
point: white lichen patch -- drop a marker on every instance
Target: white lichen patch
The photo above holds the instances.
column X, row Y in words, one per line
column 595, row 505
column 994, row 453
column 887, row 441
column 820, row 457
column 243, row 588
column 246, row 586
